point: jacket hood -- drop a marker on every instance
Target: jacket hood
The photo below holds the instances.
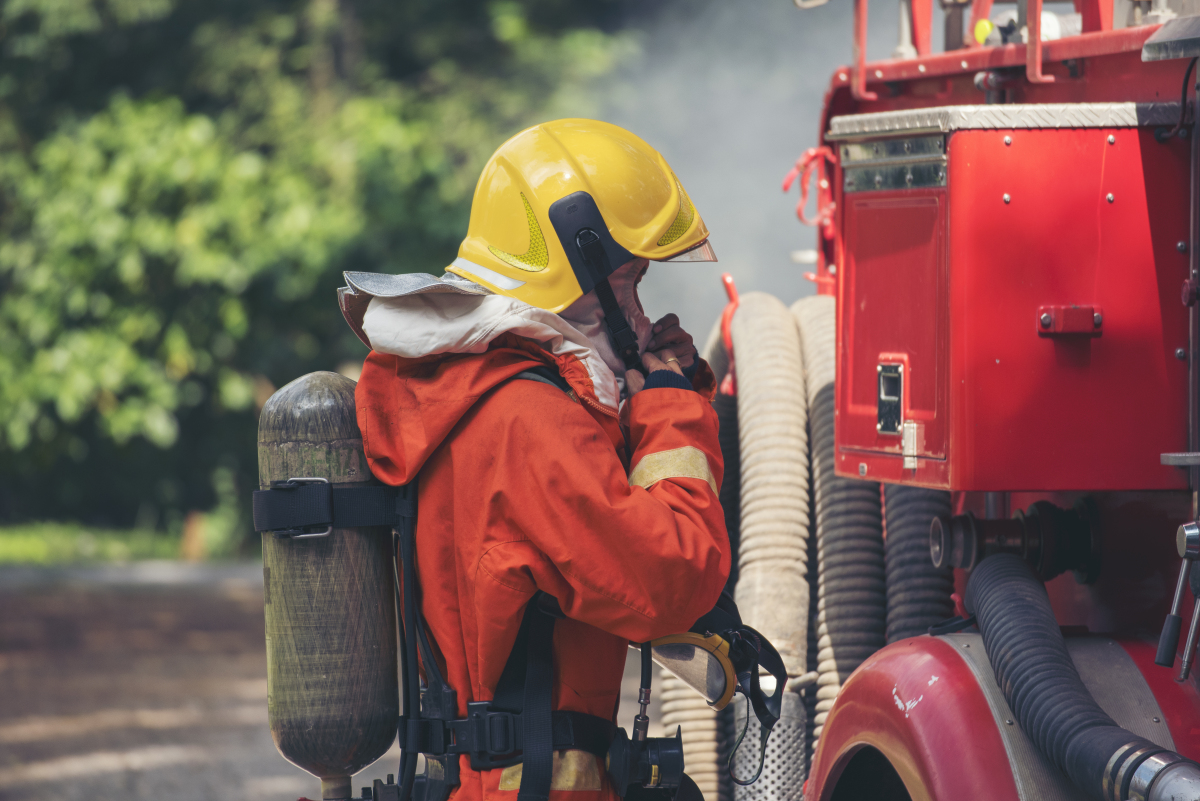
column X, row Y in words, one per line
column 418, row 316
column 438, row 346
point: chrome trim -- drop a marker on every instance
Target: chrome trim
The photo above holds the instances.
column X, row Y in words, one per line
column 1147, row 772
column 1124, row 775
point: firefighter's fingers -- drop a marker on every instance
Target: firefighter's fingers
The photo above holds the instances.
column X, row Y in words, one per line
column 684, row 357
column 635, row 381
column 665, row 360
column 666, row 322
column 673, row 336
column 680, row 342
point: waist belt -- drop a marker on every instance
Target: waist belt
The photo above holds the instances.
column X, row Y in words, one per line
column 495, row 738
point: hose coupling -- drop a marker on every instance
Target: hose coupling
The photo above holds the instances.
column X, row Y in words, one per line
column 1165, row 777
column 1050, row 539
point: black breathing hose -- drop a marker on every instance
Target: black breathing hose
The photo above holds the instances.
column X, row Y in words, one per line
column 647, row 665
column 731, row 485
column 412, row 702
column 1032, row 666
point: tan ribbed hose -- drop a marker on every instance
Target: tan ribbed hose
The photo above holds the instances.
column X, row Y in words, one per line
column 770, row 530
column 772, row 586
column 687, row 709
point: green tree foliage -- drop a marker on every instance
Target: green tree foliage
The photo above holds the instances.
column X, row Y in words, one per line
column 183, row 182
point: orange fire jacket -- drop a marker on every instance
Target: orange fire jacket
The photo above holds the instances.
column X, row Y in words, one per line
column 524, row 487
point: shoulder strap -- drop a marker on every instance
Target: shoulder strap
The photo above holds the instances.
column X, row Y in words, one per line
column 537, row 728
column 545, row 374
column 525, row 686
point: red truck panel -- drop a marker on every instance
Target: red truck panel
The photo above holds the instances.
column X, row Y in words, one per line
column 956, row 279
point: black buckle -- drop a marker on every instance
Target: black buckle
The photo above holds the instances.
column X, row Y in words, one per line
column 424, row 736
column 494, row 738
column 304, row 532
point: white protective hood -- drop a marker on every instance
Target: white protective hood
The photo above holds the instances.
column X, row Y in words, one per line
column 412, row 316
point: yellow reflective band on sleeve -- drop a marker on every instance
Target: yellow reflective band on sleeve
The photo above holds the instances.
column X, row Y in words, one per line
column 685, row 462
column 573, row 770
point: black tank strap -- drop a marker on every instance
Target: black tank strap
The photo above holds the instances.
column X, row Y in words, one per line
column 535, row 713
column 301, row 507
column 545, row 374
column 312, row 507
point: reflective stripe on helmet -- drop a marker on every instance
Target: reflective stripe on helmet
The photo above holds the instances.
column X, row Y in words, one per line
column 491, row 276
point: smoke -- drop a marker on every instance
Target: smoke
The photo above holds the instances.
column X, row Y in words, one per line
column 731, row 94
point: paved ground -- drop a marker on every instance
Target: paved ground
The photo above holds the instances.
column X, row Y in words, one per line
column 144, row 682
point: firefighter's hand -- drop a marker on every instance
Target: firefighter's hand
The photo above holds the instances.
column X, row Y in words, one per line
column 665, row 360
column 668, row 334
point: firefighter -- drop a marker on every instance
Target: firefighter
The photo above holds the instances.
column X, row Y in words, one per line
column 565, row 444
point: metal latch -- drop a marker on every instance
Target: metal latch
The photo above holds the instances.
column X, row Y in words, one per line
column 908, row 443
column 1060, row 321
column 890, row 400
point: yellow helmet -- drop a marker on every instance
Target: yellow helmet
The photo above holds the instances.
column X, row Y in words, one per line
column 562, row 205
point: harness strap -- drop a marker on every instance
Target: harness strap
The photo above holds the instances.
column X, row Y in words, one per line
column 518, row 725
column 545, row 374
column 486, row 731
column 539, row 676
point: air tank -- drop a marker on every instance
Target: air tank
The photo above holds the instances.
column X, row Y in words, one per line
column 332, row 688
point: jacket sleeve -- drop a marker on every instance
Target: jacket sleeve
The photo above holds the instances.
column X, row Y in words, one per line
column 640, row 554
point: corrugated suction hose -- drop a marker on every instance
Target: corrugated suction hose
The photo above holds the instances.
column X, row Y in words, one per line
column 702, row 746
column 1054, row 708
column 772, row 586
column 918, row 594
column 851, row 592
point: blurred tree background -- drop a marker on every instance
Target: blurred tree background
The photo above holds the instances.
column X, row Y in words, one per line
column 182, row 183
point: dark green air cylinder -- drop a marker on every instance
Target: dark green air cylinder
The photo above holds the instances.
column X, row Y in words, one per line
column 333, row 699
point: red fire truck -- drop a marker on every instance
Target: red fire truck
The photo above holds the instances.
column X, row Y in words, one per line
column 1008, row 253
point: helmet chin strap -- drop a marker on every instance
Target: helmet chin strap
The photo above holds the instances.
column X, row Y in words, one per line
column 624, row 338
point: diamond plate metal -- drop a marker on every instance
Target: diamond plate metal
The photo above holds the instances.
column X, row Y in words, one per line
column 1003, row 116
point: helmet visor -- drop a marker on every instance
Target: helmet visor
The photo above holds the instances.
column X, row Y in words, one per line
column 702, row 252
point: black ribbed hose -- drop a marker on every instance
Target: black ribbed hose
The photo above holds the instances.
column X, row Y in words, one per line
column 918, row 594
column 1037, row 676
column 731, row 483
column 852, row 595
